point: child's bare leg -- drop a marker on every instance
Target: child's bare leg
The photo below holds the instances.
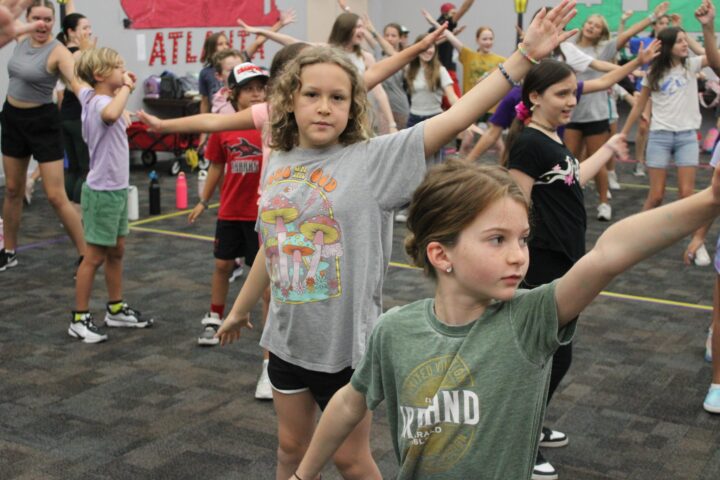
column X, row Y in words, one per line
column 94, row 257
column 114, row 270
column 296, row 416
column 220, row 281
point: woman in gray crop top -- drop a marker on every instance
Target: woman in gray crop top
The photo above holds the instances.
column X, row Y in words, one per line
column 30, row 126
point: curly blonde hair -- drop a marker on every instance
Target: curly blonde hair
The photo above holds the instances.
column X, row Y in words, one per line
column 96, row 61
column 284, row 127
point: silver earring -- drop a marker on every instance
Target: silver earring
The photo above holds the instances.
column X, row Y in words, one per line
column 534, row 106
column 449, row 269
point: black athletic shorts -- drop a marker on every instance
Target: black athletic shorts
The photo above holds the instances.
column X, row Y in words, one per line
column 288, row 378
column 32, row 131
column 235, row 239
column 589, row 129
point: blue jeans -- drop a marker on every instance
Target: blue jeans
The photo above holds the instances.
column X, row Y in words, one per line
column 664, row 144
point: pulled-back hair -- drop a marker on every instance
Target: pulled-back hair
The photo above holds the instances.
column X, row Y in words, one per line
column 604, row 35
column 96, row 61
column 70, row 22
column 210, row 48
column 342, row 30
column 664, row 61
column 540, row 77
column 430, row 69
column 220, row 56
column 41, row 3
column 449, row 199
column 284, row 127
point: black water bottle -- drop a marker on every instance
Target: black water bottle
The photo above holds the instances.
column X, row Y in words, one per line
column 154, row 194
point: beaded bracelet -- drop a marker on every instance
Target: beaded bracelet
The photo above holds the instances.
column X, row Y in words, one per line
column 505, row 74
column 524, row 53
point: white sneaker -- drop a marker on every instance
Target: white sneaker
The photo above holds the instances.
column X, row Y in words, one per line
column 85, row 330
column 126, row 317
column 401, row 215
column 639, row 170
column 708, row 346
column 236, row 273
column 263, row 390
column 29, row 189
column 613, row 180
column 211, row 322
column 604, row 212
column 702, row 258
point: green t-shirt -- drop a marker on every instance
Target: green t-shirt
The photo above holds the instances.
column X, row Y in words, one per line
column 469, row 401
column 475, row 65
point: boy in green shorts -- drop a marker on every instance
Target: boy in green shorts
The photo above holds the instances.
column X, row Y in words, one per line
column 104, row 195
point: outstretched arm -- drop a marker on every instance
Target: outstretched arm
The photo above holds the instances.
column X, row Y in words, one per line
column 286, row 18
column 659, row 11
column 615, row 146
column 705, row 14
column 611, row 78
column 387, row 66
column 543, row 35
column 462, row 10
column 487, row 140
column 629, row 241
column 384, row 44
column 278, row 37
column 204, row 122
column 449, row 36
column 637, row 110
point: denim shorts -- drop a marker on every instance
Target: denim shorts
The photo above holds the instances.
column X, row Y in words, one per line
column 663, row 145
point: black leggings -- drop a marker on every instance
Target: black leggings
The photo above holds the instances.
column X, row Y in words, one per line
column 546, row 266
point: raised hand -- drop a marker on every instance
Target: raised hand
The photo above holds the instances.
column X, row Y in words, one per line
column 433, row 36
column 661, row 9
column 626, row 16
column 287, row 17
column 547, row 30
column 9, row 11
column 705, row 13
column 248, row 28
column 645, row 55
column 87, row 42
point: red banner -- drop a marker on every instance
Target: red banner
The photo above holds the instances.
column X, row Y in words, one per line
column 198, row 13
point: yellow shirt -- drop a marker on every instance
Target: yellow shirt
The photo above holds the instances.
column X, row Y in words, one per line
column 475, row 65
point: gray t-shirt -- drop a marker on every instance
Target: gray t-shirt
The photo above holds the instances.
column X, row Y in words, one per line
column 326, row 222
column 399, row 103
column 593, row 107
column 465, row 402
column 425, row 102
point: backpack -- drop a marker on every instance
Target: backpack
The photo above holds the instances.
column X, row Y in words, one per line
column 151, row 86
column 170, row 86
column 190, row 84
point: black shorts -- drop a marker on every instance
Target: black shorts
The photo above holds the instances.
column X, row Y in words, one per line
column 32, row 131
column 288, row 378
column 235, row 239
column 589, row 129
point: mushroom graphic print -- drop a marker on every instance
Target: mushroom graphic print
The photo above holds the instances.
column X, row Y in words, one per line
column 302, row 237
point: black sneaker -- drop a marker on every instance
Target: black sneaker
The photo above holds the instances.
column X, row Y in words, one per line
column 552, row 438
column 543, row 470
column 7, row 260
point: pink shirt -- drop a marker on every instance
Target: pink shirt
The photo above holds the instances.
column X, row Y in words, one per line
column 261, row 118
column 220, row 102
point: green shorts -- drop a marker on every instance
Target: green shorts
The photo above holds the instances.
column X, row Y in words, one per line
column 105, row 215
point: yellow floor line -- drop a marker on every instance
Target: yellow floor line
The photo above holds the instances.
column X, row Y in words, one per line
column 166, row 216
column 173, row 234
column 623, row 296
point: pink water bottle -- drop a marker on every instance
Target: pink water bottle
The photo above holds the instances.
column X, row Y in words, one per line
column 181, row 192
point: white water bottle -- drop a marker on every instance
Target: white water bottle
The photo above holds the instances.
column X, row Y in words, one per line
column 202, row 178
column 2, row 235
column 133, row 203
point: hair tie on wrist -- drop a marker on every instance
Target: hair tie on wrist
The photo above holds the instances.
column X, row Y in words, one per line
column 296, row 476
column 505, row 74
column 524, row 53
